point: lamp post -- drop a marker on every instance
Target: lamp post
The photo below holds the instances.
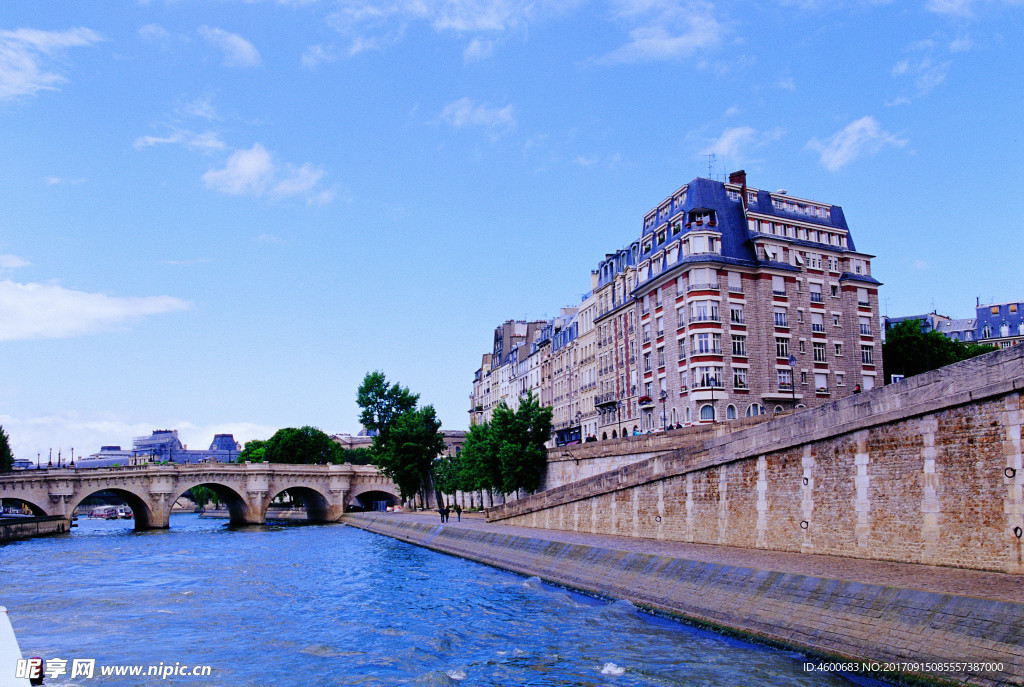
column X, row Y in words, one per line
column 579, row 419
column 792, row 381
column 712, row 380
column 664, row 396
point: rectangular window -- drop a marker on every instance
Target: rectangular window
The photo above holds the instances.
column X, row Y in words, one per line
column 835, row 319
column 701, row 343
column 865, row 325
column 736, row 314
column 779, row 285
column 647, row 332
column 839, row 349
column 835, row 290
column 817, row 323
column 739, row 345
column 840, row 379
column 785, row 379
column 780, row 317
column 803, row 346
column 739, row 377
column 661, row 357
column 862, row 297
column 661, row 326
column 819, row 351
column 735, row 281
column 867, row 382
column 821, row 382
column 647, row 362
column 867, row 355
column 815, row 293
column 682, row 380
column 781, row 348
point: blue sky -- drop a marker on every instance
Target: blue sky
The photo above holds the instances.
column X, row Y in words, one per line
column 217, row 216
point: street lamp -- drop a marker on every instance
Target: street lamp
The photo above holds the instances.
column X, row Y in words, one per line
column 579, row 418
column 664, row 395
column 792, row 380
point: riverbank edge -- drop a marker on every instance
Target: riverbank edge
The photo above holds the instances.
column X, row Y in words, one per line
column 13, row 529
column 831, row 619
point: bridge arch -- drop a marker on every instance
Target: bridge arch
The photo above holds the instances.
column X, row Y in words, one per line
column 369, row 497
column 319, row 507
column 145, row 517
column 32, row 506
column 238, row 508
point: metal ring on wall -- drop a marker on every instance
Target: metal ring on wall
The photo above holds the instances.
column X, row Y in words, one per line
column 805, row 480
column 1010, row 472
column 1017, row 531
column 804, row 524
column 657, row 518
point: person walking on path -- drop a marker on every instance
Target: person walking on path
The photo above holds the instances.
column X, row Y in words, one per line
column 458, row 513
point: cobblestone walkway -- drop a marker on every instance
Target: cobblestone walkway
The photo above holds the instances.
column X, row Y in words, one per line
column 943, row 580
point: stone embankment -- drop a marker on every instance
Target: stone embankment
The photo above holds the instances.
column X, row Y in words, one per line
column 27, row 527
column 832, row 607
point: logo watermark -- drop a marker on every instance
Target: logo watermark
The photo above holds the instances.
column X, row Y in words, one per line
column 37, row 668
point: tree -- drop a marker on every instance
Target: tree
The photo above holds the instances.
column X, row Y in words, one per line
column 407, row 454
column 522, row 456
column 381, row 403
column 255, row 451
column 6, row 456
column 306, row 445
column 407, row 439
column 203, row 495
column 909, row 351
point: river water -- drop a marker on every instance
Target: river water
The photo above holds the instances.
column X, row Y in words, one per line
column 305, row 605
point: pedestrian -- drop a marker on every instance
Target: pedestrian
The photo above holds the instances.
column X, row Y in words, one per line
column 447, row 513
column 856, row 389
column 458, row 513
column 441, row 513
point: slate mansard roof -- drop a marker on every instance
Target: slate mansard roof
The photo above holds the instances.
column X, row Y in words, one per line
column 737, row 245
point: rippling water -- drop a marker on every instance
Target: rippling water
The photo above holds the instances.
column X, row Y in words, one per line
column 332, row 605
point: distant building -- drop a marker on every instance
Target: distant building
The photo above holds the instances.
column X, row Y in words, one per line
column 1000, row 324
column 163, row 446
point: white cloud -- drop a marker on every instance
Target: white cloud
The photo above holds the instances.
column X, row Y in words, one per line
column 959, row 8
column 22, row 52
column 668, row 30
column 10, row 262
column 858, row 138
column 734, row 143
column 478, row 49
column 49, row 311
column 238, row 52
column 465, row 112
column 154, row 33
column 206, row 141
column 253, row 172
column 246, row 172
column 316, row 55
column 201, row 107
column 57, row 181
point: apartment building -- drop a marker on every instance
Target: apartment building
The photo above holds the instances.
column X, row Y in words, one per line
column 734, row 301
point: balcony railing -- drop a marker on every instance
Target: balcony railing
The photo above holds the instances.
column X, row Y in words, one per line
column 816, row 297
column 703, row 287
column 705, row 317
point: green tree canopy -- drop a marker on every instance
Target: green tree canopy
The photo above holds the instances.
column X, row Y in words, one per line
column 255, row 451
column 522, row 456
column 6, row 456
column 382, row 403
column 305, row 445
column 407, row 439
column 909, row 351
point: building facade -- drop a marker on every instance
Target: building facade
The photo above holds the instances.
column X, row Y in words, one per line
column 734, row 301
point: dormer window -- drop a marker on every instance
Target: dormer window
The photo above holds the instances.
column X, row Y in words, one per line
column 661, row 236
column 701, row 217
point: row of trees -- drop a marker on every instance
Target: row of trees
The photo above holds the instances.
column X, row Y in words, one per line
column 505, row 455
column 6, row 457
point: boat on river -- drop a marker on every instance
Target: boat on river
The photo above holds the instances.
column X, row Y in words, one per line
column 104, row 513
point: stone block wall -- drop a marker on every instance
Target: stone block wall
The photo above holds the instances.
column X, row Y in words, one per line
column 925, row 471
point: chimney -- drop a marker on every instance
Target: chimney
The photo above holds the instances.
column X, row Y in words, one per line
column 740, row 178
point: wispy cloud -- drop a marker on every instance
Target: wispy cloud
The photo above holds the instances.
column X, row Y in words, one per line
column 924, row 66
column 22, row 53
column 253, row 172
column 858, row 138
column 206, row 141
column 466, row 112
column 665, row 30
column 49, row 311
column 736, row 142
column 958, row 8
column 11, row 262
column 63, row 181
column 238, row 52
column 315, row 55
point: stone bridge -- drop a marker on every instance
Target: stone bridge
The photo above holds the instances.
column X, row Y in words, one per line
column 247, row 489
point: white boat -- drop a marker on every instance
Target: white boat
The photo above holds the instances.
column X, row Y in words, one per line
column 10, row 654
column 104, row 513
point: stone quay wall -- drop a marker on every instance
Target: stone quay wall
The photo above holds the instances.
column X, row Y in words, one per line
column 831, row 618
column 925, row 471
column 25, row 528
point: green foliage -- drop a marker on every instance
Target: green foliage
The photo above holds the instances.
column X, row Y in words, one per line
column 356, row 456
column 204, row 495
column 255, row 451
column 909, row 351
column 406, row 452
column 506, row 454
column 306, row 445
column 6, row 456
column 408, row 439
column 381, row 403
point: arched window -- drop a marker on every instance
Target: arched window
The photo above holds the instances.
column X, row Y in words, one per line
column 755, row 409
column 687, row 416
column 675, row 418
column 614, row 436
column 730, row 412
column 986, row 332
column 778, row 409
column 707, row 412
column 604, row 436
